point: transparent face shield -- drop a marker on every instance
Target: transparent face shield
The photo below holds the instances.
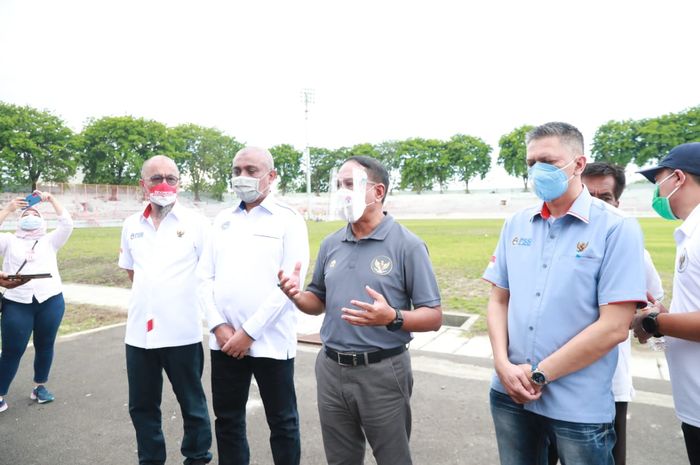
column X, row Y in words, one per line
column 348, row 195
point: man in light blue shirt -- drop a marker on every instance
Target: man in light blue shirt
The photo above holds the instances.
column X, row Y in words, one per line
column 564, row 292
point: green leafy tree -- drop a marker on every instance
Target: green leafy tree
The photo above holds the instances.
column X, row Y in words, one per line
column 222, row 169
column 388, row 154
column 34, row 145
column 114, row 148
column 323, row 161
column 471, row 157
column 423, row 163
column 288, row 166
column 661, row 134
column 513, row 153
column 616, row 142
column 196, row 150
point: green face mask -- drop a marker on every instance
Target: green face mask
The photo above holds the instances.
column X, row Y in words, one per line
column 661, row 205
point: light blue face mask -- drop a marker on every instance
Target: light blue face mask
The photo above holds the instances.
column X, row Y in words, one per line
column 550, row 182
column 30, row 223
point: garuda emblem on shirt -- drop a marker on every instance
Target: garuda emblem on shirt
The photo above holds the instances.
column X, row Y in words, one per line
column 381, row 265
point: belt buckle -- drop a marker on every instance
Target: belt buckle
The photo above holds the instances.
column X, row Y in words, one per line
column 353, row 356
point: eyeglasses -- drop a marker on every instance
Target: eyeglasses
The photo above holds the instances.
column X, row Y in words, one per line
column 159, row 178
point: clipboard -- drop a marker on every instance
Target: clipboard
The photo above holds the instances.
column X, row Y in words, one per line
column 30, row 276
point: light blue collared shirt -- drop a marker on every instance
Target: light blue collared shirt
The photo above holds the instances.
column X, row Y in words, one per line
column 559, row 272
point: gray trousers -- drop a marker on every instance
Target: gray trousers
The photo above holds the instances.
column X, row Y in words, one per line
column 370, row 401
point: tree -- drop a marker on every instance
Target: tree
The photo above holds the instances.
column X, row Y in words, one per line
column 222, row 169
column 616, row 142
column 34, row 145
column 288, row 167
column 114, row 148
column 196, row 150
column 471, row 157
column 322, row 163
column 423, row 162
column 513, row 153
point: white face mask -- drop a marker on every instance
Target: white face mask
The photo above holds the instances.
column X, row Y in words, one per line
column 246, row 188
column 350, row 204
column 31, row 223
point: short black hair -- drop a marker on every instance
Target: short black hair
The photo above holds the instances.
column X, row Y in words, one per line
column 600, row 168
column 376, row 172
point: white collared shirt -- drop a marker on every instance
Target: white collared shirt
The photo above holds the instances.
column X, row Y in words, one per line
column 40, row 260
column 683, row 355
column 164, row 310
column 239, row 270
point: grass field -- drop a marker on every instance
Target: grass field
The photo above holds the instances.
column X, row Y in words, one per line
column 460, row 250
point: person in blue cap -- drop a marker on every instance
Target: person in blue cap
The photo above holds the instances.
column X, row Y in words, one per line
column 677, row 196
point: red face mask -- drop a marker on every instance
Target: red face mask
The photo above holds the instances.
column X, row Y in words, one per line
column 162, row 194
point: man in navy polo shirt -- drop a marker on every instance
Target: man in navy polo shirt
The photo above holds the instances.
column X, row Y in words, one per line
column 374, row 280
column 567, row 276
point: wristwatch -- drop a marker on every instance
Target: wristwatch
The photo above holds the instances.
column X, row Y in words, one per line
column 650, row 325
column 537, row 376
column 397, row 323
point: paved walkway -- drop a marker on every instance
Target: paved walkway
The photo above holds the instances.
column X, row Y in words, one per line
column 450, row 339
column 89, row 421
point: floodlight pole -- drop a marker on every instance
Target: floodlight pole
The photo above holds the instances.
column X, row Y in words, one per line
column 308, row 96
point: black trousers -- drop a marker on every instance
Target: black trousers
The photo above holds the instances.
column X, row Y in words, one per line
column 691, row 434
column 184, row 366
column 230, row 383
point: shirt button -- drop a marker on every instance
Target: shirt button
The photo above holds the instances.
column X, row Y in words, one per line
column 544, row 266
column 528, row 360
column 531, row 328
column 552, row 236
column 537, row 294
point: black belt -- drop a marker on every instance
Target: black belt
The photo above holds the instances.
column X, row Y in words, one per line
column 353, row 359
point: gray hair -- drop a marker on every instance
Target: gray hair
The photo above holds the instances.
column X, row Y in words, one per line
column 567, row 134
column 267, row 156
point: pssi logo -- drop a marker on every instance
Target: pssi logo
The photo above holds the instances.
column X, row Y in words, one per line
column 527, row 242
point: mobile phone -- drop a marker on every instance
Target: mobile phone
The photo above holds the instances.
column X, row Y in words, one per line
column 32, row 199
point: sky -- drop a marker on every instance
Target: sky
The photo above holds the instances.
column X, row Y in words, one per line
column 380, row 70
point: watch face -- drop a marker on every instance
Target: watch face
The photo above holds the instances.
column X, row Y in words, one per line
column 649, row 324
column 538, row 378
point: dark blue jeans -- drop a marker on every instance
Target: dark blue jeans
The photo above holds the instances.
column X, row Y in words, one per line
column 230, row 383
column 523, row 436
column 17, row 323
column 184, row 366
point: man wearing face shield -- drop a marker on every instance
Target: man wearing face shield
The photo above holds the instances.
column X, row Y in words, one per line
column 253, row 324
column 160, row 249
column 677, row 196
column 374, row 281
column 567, row 276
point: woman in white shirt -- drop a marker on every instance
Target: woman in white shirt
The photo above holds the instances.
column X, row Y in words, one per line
column 34, row 306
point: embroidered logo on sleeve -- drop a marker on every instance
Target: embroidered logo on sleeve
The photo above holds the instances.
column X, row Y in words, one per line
column 492, row 262
column 149, row 325
column 180, row 233
column 136, row 235
column 381, row 265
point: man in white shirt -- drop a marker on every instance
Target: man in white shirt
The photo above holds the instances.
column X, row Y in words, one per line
column 677, row 196
column 253, row 323
column 160, row 249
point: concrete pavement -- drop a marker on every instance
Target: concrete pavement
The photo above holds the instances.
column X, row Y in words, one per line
column 89, row 421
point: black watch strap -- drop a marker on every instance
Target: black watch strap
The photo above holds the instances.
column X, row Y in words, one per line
column 397, row 323
column 650, row 325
